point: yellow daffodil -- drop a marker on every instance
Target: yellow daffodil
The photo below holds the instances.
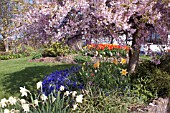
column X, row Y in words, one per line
column 123, row 61
column 96, row 65
column 124, row 72
column 115, row 61
column 85, row 47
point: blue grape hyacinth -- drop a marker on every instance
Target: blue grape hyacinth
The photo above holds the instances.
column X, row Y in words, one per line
column 66, row 78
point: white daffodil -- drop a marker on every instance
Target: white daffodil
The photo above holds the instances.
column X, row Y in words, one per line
column 12, row 100
column 6, row 111
column 74, row 93
column 39, row 85
column 67, row 93
column 79, row 98
column 36, row 102
column 23, row 101
column 44, row 97
column 61, row 88
column 74, row 107
column 26, row 107
column 3, row 102
column 53, row 99
column 23, row 91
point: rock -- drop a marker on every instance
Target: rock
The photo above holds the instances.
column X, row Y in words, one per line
column 159, row 105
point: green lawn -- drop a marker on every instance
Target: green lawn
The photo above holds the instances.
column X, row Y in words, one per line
column 19, row 72
column 144, row 57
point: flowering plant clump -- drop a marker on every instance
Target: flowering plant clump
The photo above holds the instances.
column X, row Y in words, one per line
column 106, row 75
column 105, row 50
column 41, row 103
column 65, row 78
column 108, row 46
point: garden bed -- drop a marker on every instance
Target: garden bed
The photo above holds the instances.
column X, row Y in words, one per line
column 70, row 59
column 60, row 59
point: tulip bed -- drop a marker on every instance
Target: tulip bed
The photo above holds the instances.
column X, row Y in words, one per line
column 105, row 50
column 108, row 46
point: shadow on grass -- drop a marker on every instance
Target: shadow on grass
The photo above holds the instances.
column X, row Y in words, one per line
column 28, row 77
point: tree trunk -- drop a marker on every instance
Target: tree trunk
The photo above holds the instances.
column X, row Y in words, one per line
column 75, row 43
column 134, row 54
column 133, row 60
column 6, row 43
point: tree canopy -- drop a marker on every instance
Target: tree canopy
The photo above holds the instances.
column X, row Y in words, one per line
column 51, row 21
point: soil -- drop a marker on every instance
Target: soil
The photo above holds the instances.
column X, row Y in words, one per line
column 60, row 59
column 69, row 59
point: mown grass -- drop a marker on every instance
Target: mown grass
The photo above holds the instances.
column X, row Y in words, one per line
column 144, row 57
column 17, row 73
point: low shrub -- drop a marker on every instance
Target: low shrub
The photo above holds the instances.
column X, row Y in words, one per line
column 56, row 49
column 152, row 80
column 165, row 63
column 82, row 59
column 36, row 55
column 12, row 56
column 22, row 48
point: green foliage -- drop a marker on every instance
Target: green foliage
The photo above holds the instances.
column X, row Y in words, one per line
column 107, row 76
column 165, row 63
column 98, row 101
column 12, row 56
column 82, row 59
column 56, row 49
column 36, row 55
column 59, row 104
column 25, row 49
column 152, row 80
column 38, row 103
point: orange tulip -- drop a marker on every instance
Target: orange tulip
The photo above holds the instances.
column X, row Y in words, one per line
column 115, row 61
column 96, row 65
